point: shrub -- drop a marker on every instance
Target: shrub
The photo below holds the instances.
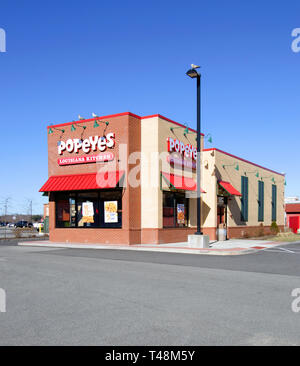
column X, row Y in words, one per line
column 274, row 228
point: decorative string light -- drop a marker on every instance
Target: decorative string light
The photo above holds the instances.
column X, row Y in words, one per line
column 255, row 171
column 73, row 128
column 55, row 128
column 96, row 124
column 237, row 167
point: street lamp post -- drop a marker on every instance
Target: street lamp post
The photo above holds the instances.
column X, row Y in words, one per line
column 192, row 73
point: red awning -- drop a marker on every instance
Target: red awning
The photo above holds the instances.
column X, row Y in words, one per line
column 76, row 182
column 181, row 182
column 229, row 188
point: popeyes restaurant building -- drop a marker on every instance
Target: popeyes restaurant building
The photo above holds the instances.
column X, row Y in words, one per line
column 126, row 179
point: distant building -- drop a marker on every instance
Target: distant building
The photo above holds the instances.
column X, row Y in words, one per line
column 46, row 210
column 292, row 211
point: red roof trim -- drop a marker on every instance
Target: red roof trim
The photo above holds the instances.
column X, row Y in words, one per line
column 246, row 161
column 169, row 120
column 118, row 115
column 95, row 118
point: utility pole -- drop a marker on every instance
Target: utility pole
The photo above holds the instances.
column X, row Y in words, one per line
column 5, row 214
column 28, row 206
column 30, row 211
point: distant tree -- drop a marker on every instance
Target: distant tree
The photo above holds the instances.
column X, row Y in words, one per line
column 36, row 218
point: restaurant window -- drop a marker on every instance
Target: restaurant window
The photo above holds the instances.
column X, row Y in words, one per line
column 65, row 210
column 62, row 213
column 260, row 201
column 274, row 202
column 111, row 209
column 175, row 209
column 244, row 200
column 89, row 209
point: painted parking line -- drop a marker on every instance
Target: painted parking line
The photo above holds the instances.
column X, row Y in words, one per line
column 286, row 250
column 281, row 250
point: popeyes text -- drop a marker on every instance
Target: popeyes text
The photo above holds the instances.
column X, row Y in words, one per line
column 188, row 150
column 92, row 143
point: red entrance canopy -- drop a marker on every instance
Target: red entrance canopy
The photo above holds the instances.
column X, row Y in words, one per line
column 181, row 182
column 229, row 188
column 76, row 182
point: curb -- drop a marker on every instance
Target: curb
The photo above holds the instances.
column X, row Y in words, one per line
column 237, row 251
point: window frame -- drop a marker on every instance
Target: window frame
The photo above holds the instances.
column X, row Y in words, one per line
column 175, row 201
column 274, row 203
column 100, row 201
column 261, row 198
column 245, row 198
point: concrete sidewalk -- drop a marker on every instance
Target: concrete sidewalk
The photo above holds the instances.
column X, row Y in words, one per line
column 229, row 247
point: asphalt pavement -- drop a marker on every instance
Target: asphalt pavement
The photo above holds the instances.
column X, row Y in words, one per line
column 110, row 297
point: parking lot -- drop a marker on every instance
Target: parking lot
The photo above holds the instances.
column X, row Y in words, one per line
column 11, row 233
column 110, row 297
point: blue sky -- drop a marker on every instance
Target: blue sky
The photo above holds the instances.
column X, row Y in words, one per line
column 66, row 58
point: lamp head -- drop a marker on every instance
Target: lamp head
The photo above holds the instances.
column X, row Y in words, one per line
column 192, row 73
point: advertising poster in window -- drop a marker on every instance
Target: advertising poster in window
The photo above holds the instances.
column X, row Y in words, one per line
column 87, row 212
column 180, row 213
column 110, row 211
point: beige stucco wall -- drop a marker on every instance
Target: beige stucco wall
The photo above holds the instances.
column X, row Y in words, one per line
column 151, row 204
column 209, row 211
column 234, row 177
column 154, row 134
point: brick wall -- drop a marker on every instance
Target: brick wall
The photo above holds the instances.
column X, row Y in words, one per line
column 128, row 134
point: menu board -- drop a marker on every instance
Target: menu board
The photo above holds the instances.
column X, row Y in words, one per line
column 87, row 212
column 110, row 211
column 180, row 213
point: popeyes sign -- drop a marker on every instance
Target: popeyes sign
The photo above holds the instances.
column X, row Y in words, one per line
column 92, row 143
column 187, row 150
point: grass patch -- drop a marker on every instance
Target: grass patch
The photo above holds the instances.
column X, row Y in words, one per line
column 283, row 237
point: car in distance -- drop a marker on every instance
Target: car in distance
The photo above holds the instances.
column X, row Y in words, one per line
column 23, row 223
